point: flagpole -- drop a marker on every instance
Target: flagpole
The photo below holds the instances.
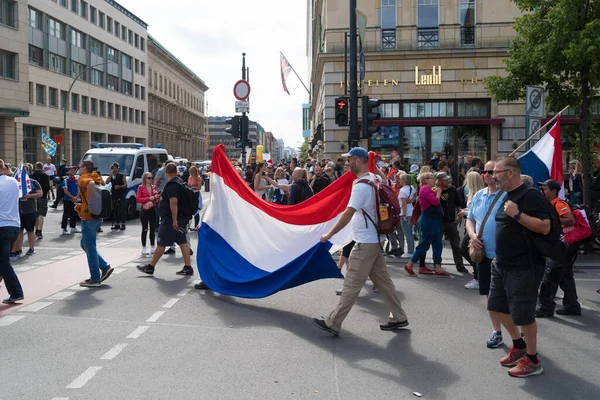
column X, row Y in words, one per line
column 308, row 91
column 538, row 131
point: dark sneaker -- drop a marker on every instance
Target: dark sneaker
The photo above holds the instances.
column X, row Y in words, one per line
column 201, row 286
column 100, row 230
column 106, row 273
column 566, row 311
column 191, row 252
column 513, row 357
column 115, row 227
column 462, row 269
column 12, row 300
column 53, row 206
column 30, row 252
column 189, row 271
column 90, row 283
column 147, row 269
column 526, row 368
column 170, row 251
column 122, row 227
column 494, row 341
column 544, row 313
column 322, row 325
column 338, row 292
column 391, row 326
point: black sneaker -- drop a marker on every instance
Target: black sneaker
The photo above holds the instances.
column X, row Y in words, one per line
column 115, row 227
column 100, row 230
column 170, row 251
column 12, row 300
column 322, row 325
column 390, row 326
column 201, row 286
column 106, row 273
column 147, row 269
column 566, row 311
column 40, row 236
column 122, row 227
column 53, row 206
column 461, row 268
column 189, row 271
column 90, row 283
column 544, row 313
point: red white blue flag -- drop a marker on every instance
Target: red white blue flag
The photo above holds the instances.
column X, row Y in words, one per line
column 23, row 180
column 286, row 68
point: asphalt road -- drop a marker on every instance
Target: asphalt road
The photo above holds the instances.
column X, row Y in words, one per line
column 141, row 337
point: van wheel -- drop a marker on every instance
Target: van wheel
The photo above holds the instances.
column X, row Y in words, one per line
column 131, row 208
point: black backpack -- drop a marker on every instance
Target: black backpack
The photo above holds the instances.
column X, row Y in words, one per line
column 552, row 245
column 188, row 201
column 306, row 193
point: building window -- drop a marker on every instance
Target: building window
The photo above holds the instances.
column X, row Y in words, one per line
column 84, row 104
column 124, row 113
column 74, row 102
column 74, row 4
column 160, row 82
column 109, row 24
column 150, row 77
column 142, row 44
column 123, row 33
column 36, row 56
column 143, row 69
column 131, row 115
column 57, row 29
column 137, row 40
column 388, row 24
column 467, row 23
column 130, row 36
column 143, row 93
column 143, row 117
column 8, row 67
column 137, row 116
column 109, row 110
column 7, row 12
column 96, row 47
column 77, row 70
column 427, row 24
column 112, row 82
column 92, row 15
column 155, row 81
column 53, row 97
column 96, row 77
column 112, row 55
column 84, row 9
column 126, row 61
column 64, row 100
column 35, row 18
column 57, row 63
column 117, row 29
column 117, row 112
column 126, row 88
column 31, row 92
column 137, row 66
column 102, row 108
column 77, row 39
column 40, row 94
column 94, row 107
column 137, row 91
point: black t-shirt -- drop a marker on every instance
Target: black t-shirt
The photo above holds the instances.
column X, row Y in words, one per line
column 320, row 183
column 449, row 202
column 43, row 180
column 172, row 189
column 121, row 181
column 513, row 248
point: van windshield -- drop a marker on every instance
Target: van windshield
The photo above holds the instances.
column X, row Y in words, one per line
column 104, row 161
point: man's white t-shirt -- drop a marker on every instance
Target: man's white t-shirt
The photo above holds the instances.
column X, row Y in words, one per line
column 49, row 169
column 409, row 193
column 9, row 202
column 363, row 198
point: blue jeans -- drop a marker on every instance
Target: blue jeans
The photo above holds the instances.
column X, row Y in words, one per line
column 431, row 235
column 8, row 234
column 408, row 234
column 89, row 229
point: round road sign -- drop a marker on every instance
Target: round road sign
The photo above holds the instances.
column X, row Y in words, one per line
column 241, row 90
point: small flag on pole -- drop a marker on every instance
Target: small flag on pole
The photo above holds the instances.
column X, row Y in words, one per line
column 48, row 145
column 286, row 68
column 23, row 180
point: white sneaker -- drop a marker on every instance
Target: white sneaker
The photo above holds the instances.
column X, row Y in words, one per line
column 152, row 250
column 145, row 251
column 65, row 232
column 406, row 255
column 74, row 230
column 474, row 285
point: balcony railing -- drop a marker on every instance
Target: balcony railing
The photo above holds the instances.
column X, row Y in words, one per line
column 467, row 36
column 428, row 38
column 388, row 39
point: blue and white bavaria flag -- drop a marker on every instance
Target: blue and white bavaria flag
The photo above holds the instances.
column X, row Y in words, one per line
column 48, row 145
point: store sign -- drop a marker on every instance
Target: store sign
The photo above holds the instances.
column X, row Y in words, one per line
column 429, row 80
column 371, row 82
column 388, row 136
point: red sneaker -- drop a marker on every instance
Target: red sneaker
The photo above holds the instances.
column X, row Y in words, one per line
column 410, row 271
column 513, row 357
column 526, row 368
column 442, row 273
column 425, row 271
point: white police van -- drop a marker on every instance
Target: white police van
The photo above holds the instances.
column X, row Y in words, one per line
column 134, row 159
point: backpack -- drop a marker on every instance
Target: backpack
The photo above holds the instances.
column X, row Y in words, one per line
column 100, row 205
column 416, row 213
column 387, row 207
column 189, row 201
column 552, row 245
column 306, row 193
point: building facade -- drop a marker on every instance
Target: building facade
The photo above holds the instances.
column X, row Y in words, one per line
column 217, row 126
column 426, row 61
column 176, row 108
column 86, row 68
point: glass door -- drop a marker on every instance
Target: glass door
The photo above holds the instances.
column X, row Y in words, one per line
column 414, row 146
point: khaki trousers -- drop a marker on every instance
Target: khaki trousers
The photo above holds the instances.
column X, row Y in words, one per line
column 366, row 261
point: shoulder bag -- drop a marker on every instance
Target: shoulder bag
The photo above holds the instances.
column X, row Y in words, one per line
column 475, row 253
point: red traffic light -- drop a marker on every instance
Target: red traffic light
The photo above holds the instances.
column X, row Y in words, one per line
column 342, row 104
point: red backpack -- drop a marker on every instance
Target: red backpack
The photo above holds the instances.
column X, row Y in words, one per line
column 386, row 205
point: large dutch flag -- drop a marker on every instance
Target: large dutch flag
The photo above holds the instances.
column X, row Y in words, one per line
column 544, row 160
column 250, row 248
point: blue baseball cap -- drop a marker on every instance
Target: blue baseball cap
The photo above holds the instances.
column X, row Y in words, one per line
column 357, row 152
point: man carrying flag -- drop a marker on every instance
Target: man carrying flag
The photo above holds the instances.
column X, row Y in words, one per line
column 30, row 191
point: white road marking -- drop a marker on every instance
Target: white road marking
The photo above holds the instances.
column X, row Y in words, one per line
column 35, row 307
column 155, row 316
column 59, row 258
column 112, row 353
column 119, row 270
column 138, row 332
column 25, row 268
column 56, row 248
column 84, row 378
column 60, row 398
column 77, row 287
column 170, row 303
column 9, row 319
column 42, row 263
column 183, row 292
column 588, row 279
column 60, row 295
column 75, row 253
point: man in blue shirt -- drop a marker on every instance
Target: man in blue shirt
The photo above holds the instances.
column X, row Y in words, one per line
column 481, row 203
column 70, row 193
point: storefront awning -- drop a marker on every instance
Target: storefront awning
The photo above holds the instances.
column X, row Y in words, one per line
column 438, row 121
column 13, row 112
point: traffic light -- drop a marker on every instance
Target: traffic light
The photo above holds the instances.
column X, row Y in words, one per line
column 244, row 134
column 341, row 111
column 368, row 116
column 234, row 130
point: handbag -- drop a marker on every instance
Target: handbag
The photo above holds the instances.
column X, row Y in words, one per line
column 476, row 254
column 580, row 231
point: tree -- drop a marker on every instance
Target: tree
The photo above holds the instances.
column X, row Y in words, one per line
column 303, row 151
column 557, row 47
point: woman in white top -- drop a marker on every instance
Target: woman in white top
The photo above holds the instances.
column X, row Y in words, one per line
column 407, row 197
column 260, row 183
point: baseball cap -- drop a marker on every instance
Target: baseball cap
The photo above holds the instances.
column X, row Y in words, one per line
column 357, row 152
column 552, row 184
column 441, row 175
column 115, row 165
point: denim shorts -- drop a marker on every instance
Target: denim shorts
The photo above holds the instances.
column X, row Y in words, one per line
column 515, row 292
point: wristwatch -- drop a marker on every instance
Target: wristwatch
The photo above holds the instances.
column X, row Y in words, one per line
column 517, row 216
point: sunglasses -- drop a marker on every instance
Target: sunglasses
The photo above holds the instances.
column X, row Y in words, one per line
column 148, row 177
column 488, row 172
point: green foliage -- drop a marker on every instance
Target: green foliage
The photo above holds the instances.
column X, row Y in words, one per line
column 303, row 151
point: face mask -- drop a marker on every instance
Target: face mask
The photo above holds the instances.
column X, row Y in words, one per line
column 60, row 165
